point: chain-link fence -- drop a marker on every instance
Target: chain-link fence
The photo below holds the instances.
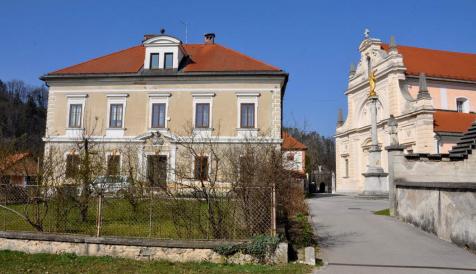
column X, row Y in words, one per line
column 208, row 213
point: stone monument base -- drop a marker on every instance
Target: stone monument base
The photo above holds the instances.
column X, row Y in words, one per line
column 375, row 183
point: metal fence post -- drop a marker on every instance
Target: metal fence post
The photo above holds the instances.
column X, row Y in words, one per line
column 150, row 213
column 98, row 216
column 4, row 215
column 273, row 211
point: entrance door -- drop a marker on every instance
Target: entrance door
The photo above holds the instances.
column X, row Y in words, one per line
column 157, row 170
column 322, row 187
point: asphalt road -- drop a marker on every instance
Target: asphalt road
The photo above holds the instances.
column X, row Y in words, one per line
column 354, row 240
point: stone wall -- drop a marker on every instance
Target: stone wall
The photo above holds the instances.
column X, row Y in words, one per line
column 445, row 209
column 148, row 249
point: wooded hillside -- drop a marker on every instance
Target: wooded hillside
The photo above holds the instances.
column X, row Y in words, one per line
column 22, row 116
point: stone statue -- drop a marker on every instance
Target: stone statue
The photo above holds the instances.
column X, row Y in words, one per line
column 392, row 130
column 367, row 33
column 372, row 83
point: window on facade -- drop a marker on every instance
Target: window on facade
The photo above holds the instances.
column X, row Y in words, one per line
column 75, row 112
column 346, row 168
column 157, row 170
column 290, row 157
column 168, row 60
column 202, row 115
column 115, row 116
column 158, row 115
column 247, row 168
column 247, row 115
column 462, row 105
column 154, row 60
column 4, row 179
column 459, row 105
column 113, row 165
column 201, row 168
column 72, row 165
column 31, row 181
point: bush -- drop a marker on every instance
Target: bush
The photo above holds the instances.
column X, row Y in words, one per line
column 258, row 247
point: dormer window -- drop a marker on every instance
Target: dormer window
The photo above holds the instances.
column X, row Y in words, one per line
column 162, row 52
column 168, row 60
column 154, row 61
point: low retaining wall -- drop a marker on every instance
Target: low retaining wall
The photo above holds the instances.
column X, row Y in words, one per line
column 149, row 249
column 445, row 209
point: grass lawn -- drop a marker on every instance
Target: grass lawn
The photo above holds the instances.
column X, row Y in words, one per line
column 17, row 262
column 156, row 219
column 383, row 212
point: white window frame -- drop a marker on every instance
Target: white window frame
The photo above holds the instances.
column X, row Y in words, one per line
column 158, row 98
column 161, row 49
column 75, row 99
column 116, row 99
column 466, row 104
column 203, row 98
column 173, row 59
column 66, row 154
column 247, row 98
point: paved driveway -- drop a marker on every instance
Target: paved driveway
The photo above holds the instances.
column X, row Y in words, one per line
column 354, row 240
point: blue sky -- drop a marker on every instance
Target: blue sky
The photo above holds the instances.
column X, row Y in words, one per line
column 315, row 41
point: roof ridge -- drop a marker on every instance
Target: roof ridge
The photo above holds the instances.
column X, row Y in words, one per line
column 94, row 59
column 429, row 49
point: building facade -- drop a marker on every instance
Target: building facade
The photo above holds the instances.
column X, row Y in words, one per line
column 431, row 93
column 159, row 95
column 294, row 154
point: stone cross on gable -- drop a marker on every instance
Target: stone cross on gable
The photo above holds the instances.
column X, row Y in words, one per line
column 367, row 33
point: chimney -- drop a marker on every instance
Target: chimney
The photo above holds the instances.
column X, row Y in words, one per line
column 209, row 38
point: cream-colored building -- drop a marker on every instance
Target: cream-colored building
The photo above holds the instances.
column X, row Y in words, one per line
column 163, row 92
column 431, row 93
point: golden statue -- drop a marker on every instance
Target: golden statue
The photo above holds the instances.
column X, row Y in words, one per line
column 372, row 83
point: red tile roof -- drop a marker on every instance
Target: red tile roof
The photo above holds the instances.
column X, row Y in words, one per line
column 438, row 63
column 203, row 58
column 218, row 58
column 290, row 143
column 19, row 164
column 129, row 60
column 451, row 121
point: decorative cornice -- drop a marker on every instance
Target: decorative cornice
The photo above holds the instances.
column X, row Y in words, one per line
column 121, row 95
column 384, row 122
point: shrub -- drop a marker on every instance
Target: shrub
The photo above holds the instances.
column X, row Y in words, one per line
column 259, row 247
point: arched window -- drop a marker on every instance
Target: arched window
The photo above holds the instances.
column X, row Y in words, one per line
column 462, row 105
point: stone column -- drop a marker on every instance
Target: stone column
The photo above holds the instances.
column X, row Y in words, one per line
column 375, row 178
column 374, row 151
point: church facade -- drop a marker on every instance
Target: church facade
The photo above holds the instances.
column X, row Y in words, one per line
column 431, row 94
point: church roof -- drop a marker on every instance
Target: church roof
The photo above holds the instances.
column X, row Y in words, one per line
column 290, row 143
column 452, row 121
column 438, row 63
column 201, row 58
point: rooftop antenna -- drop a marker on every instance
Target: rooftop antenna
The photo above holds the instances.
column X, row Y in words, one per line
column 186, row 30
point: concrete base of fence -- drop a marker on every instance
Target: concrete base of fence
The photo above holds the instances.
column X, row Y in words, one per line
column 140, row 249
